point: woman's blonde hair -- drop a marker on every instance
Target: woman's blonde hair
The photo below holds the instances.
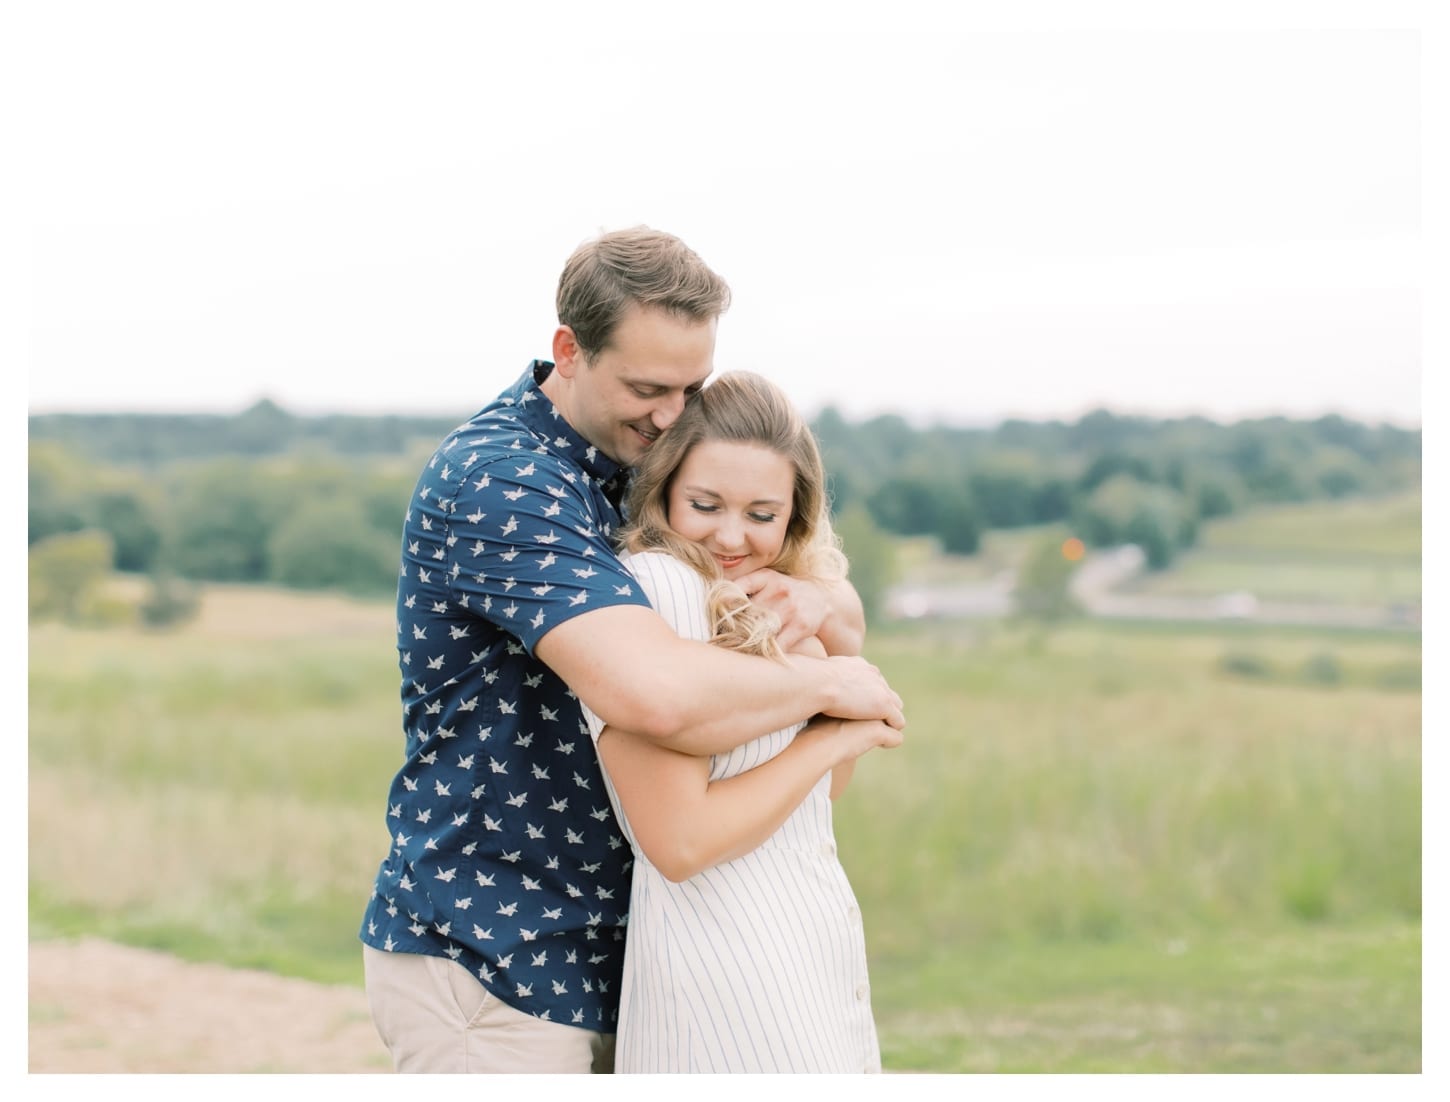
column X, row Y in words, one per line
column 739, row 407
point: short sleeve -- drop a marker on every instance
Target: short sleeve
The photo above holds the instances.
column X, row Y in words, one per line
column 677, row 592
column 523, row 549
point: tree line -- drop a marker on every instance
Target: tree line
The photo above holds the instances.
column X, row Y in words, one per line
column 317, row 502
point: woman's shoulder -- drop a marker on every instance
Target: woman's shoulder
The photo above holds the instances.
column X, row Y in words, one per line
column 661, row 562
column 665, row 579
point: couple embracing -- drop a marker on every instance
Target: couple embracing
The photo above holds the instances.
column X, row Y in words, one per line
column 631, row 689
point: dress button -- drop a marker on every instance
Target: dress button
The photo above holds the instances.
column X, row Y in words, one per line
column 860, row 991
column 828, row 848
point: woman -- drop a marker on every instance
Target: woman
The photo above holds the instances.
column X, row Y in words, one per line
column 745, row 948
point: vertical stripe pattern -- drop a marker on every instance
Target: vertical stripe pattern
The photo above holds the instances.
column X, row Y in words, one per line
column 755, row 965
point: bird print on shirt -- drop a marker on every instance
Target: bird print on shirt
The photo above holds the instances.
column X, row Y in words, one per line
column 496, row 552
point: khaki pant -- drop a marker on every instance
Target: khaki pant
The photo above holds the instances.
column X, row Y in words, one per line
column 434, row 1016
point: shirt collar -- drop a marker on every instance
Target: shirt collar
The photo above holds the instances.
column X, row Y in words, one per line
column 534, row 409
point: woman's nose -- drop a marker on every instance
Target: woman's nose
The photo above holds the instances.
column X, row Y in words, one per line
column 728, row 533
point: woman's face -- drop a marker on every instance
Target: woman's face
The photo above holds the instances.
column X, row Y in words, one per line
column 734, row 500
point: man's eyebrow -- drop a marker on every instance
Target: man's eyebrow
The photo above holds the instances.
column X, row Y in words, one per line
column 629, row 375
column 631, row 379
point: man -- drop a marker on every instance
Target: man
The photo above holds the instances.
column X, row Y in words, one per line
column 494, row 937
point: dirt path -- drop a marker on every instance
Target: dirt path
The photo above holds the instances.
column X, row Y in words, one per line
column 99, row 1007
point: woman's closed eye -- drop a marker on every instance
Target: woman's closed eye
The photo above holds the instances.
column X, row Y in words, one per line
column 762, row 518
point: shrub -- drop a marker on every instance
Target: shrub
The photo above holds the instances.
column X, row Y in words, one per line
column 1322, row 669
column 170, row 602
column 1245, row 664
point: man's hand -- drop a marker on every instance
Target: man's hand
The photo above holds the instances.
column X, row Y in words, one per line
column 860, row 692
column 807, row 607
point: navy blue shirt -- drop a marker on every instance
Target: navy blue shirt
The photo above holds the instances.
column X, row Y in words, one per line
column 505, row 855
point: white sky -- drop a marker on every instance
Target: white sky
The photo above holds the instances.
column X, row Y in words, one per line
column 365, row 208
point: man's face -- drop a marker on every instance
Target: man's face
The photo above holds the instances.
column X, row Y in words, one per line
column 635, row 387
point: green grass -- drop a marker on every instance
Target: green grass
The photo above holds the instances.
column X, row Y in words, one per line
column 1362, row 552
column 1099, row 849
column 221, row 802
column 1368, row 580
column 1359, row 552
column 1328, row 1000
column 1388, row 527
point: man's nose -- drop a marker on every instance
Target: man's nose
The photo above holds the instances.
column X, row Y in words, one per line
column 668, row 411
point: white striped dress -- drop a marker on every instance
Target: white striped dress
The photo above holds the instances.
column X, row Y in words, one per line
column 755, row 965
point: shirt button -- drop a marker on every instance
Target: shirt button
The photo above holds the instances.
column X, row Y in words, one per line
column 828, row 849
column 860, row 991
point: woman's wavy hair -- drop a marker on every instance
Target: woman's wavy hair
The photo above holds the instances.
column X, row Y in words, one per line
column 739, row 407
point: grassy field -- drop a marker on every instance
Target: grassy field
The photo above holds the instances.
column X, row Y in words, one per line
column 1354, row 553
column 1105, row 852
column 1362, row 552
column 1105, row 849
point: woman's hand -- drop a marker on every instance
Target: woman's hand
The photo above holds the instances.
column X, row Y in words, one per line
column 850, row 738
column 800, row 603
column 806, row 607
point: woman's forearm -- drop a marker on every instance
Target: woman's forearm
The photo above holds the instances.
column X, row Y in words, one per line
column 685, row 823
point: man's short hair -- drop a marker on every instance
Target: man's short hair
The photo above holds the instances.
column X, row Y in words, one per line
column 608, row 274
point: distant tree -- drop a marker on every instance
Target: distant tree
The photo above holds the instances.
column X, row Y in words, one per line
column 1004, row 486
column 264, row 429
column 133, row 527
column 906, row 505
column 1125, row 510
column 223, row 516
column 1102, row 431
column 831, row 429
column 872, row 556
column 1150, row 530
column 1043, row 590
column 66, row 571
column 1213, row 495
column 1052, row 499
column 1336, row 431
column 956, row 523
column 1111, row 464
column 170, row 601
column 54, row 496
column 385, row 499
column 332, row 546
column 1269, row 456
column 1339, row 472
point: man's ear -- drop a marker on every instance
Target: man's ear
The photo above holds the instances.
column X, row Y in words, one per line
column 568, row 356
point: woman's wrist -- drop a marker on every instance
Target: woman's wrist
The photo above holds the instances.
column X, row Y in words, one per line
column 823, row 734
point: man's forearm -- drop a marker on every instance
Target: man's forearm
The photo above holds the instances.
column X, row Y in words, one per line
column 844, row 629
column 697, row 698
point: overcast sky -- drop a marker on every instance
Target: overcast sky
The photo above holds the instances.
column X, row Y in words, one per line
column 365, row 208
